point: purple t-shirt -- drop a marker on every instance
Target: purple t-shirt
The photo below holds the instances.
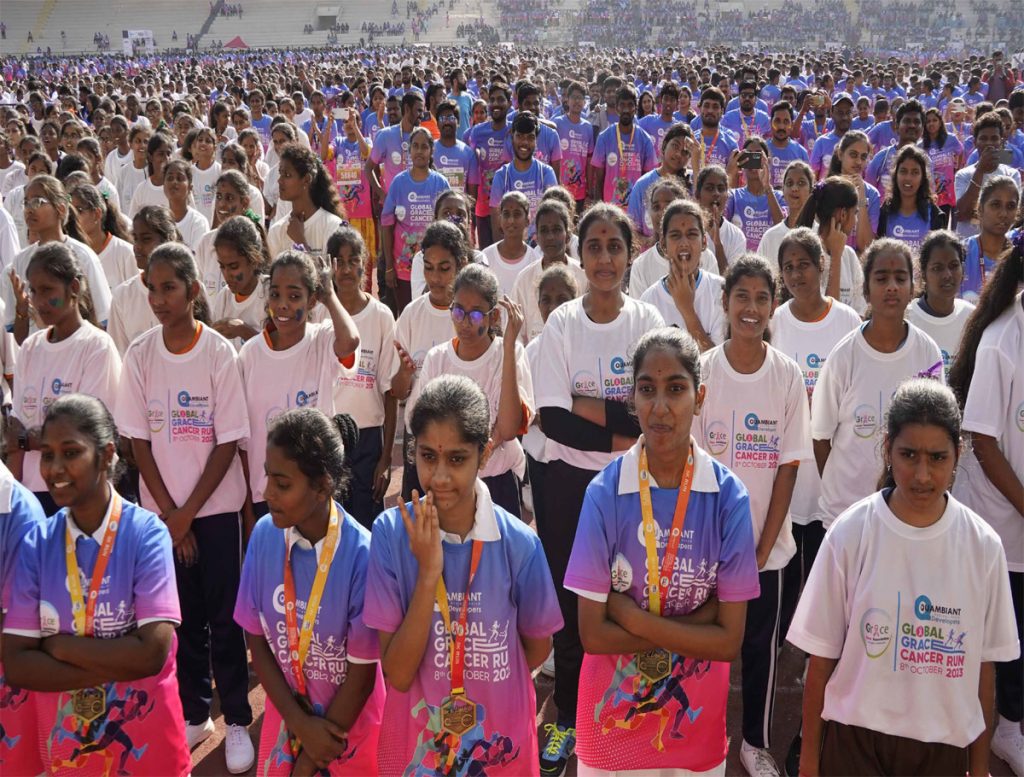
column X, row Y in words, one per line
column 512, row 595
column 577, row 142
column 657, row 128
column 533, row 183
column 718, row 147
column 622, row 716
column 821, row 154
column 489, row 145
column 912, row 230
column 882, row 135
column 350, row 178
column 390, row 150
column 781, row 157
column 750, row 213
column 625, row 157
column 457, row 163
column 809, row 132
column 745, row 127
column 549, row 149
column 138, row 588
column 946, row 160
column 339, row 634
column 409, row 208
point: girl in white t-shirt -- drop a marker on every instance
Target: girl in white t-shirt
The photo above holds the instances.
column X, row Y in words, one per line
column 231, row 199
column 235, row 158
column 988, row 376
column 797, row 181
column 583, row 385
column 178, row 190
column 281, row 135
column 366, row 394
column 498, row 365
column 652, row 265
column 552, row 222
column 687, row 296
column 130, row 313
column 151, row 190
column 939, row 312
column 426, row 321
column 181, row 404
column 70, row 354
column 292, row 362
column 316, row 210
column 857, row 382
column 726, row 241
column 104, row 230
column 239, row 309
column 134, row 172
column 832, row 209
column 901, row 678
column 756, row 421
column 511, row 255
column 200, row 149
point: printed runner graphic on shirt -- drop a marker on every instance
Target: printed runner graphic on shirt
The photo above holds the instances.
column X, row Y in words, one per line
column 101, row 737
column 487, row 661
column 11, row 699
column 930, row 641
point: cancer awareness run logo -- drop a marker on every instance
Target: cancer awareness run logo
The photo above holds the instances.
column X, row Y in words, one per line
column 327, row 659
column 191, row 418
column 616, row 383
column 755, row 445
column 931, row 641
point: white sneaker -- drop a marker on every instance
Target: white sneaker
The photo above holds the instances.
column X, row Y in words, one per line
column 197, row 733
column 757, row 761
column 1008, row 744
column 239, row 751
column 548, row 667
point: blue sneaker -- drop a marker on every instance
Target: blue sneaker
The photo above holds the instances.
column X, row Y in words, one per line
column 560, row 747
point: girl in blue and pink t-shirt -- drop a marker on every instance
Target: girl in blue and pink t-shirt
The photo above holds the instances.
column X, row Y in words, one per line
column 92, row 613
column 323, row 705
column 655, row 678
column 462, row 599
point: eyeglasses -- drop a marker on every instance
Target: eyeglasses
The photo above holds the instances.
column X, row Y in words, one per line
column 36, row 202
column 476, row 317
column 448, row 118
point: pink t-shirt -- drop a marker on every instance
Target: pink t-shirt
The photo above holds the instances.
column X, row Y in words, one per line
column 142, row 730
column 339, row 636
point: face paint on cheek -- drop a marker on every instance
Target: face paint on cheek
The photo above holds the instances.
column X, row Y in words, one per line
column 481, row 331
column 299, row 314
column 239, row 278
column 55, row 302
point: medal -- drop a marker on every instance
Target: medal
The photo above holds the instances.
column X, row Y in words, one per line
column 656, row 664
column 88, row 704
column 458, row 714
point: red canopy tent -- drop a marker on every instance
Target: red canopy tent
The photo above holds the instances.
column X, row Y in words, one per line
column 236, row 43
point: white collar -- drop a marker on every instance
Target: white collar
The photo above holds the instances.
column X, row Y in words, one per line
column 485, row 525
column 703, row 471
column 292, row 536
column 98, row 534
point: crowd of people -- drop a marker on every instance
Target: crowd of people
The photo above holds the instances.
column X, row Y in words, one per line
column 688, row 355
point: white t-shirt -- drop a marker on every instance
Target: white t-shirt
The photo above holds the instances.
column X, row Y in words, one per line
column 10, row 243
column 850, row 401
column 15, row 178
column 650, row 267
column 525, row 291
column 419, row 283
column 770, row 242
column 754, row 424
column 114, row 162
column 909, row 629
column 360, row 392
column 84, row 363
column 809, row 344
column 185, row 405
column 204, row 188
column 276, row 381
column 580, row 357
column 420, row 327
column 995, row 407
column 206, row 262
column 5, row 172
column 944, row 330
column 193, row 227
column 252, row 310
column 129, row 178
column 146, row 193
column 535, row 441
column 707, row 303
column 851, row 279
column 485, row 372
column 507, row 272
column 733, row 241
column 319, row 227
column 118, row 261
column 256, row 203
column 107, row 188
column 130, row 313
column 14, row 203
column 91, row 268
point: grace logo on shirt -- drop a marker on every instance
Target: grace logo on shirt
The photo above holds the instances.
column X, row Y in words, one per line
column 865, row 421
column 29, row 404
column 622, row 573
column 584, row 383
column 155, row 415
column 717, row 438
column 49, row 619
column 613, row 159
column 876, row 631
column 1020, row 417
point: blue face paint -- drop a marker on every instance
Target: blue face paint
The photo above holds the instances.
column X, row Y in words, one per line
column 56, row 302
column 481, row 331
column 239, row 278
column 299, row 313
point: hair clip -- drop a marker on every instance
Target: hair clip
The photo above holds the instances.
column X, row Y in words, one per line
column 819, row 186
column 253, row 216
